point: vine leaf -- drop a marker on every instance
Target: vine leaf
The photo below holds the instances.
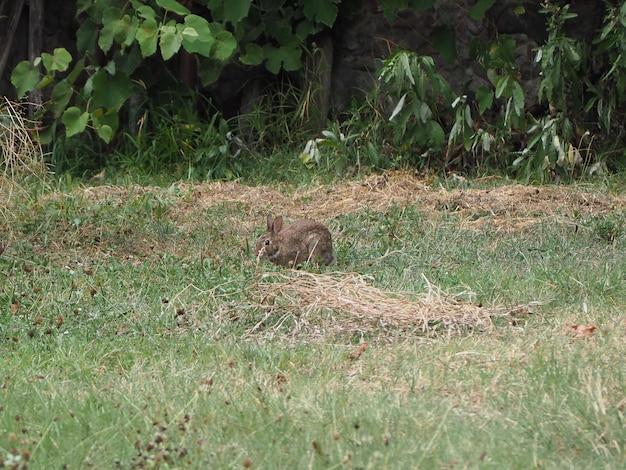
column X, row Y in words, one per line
column 287, row 56
column 324, row 11
column 61, row 94
column 24, row 78
column 59, row 60
column 236, row 10
column 147, row 36
column 253, row 56
column 111, row 92
column 170, row 41
column 174, row 6
column 225, row 45
column 75, row 120
column 477, row 12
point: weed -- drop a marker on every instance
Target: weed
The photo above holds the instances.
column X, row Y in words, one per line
column 609, row 228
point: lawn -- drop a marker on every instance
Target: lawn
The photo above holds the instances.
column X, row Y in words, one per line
column 466, row 324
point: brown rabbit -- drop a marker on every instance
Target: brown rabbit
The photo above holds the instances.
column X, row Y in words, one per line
column 304, row 240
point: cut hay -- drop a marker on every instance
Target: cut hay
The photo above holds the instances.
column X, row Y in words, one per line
column 21, row 159
column 347, row 303
column 507, row 209
column 21, row 156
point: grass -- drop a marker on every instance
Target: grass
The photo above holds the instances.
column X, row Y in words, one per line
column 130, row 336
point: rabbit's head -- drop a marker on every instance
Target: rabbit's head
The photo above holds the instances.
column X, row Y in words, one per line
column 267, row 244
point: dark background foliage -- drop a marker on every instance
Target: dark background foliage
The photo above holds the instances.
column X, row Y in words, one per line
column 209, row 88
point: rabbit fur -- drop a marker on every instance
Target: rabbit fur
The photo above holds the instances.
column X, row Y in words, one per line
column 303, row 240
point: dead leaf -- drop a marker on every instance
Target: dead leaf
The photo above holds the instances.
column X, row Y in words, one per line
column 357, row 354
column 580, row 331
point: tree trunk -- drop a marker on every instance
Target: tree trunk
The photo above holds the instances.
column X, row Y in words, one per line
column 35, row 35
column 9, row 34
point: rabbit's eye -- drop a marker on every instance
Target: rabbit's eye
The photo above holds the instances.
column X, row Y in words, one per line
column 267, row 242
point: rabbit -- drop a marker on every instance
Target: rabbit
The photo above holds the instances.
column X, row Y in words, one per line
column 304, row 240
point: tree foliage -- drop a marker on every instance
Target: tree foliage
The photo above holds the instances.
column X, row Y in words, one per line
column 123, row 48
column 119, row 41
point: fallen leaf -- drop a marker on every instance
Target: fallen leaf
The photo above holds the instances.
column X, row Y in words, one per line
column 580, row 331
column 357, row 354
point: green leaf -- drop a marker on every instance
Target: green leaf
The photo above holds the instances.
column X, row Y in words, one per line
column 174, row 6
column 110, row 17
column 61, row 95
column 87, row 36
column 518, row 98
column 147, row 36
column 321, row 11
column 199, row 24
column 111, row 92
column 282, row 31
column 75, row 120
column 83, row 5
column 59, row 60
column 398, row 107
column 126, row 29
column 24, row 78
column 477, row 12
column 391, row 7
column 146, row 12
column 76, row 71
column 236, row 10
column 197, row 35
column 271, row 5
column 253, row 55
column 306, row 28
column 209, row 70
column 105, row 132
column 127, row 60
column 170, row 41
column 203, row 47
column 425, row 112
column 436, row 135
column 105, row 124
column 110, row 67
column 403, row 58
column 287, row 57
column 501, row 86
column 444, row 40
column 110, row 14
column 190, row 34
column 225, row 45
column 484, row 96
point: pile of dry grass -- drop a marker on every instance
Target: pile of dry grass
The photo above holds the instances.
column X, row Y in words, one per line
column 346, row 303
column 21, row 155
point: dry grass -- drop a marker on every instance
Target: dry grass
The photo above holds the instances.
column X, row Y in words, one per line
column 506, row 208
column 21, row 158
column 21, row 155
column 190, row 209
column 311, row 305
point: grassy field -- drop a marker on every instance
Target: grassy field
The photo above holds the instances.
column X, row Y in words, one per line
column 138, row 330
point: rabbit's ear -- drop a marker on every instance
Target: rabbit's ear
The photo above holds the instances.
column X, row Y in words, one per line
column 278, row 224
column 270, row 222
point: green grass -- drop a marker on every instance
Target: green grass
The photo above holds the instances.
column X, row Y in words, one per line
column 125, row 341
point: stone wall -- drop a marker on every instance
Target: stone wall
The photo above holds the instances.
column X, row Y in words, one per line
column 363, row 39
